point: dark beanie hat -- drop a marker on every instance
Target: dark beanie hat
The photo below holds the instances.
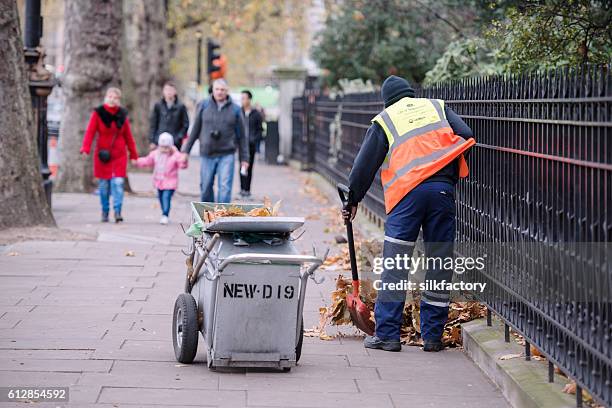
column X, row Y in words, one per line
column 395, row 88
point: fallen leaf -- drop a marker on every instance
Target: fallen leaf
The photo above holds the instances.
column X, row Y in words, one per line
column 259, row 212
column 311, row 333
column 267, row 202
column 130, row 253
column 534, row 351
column 570, row 388
column 455, row 334
column 510, row 356
column 332, row 259
column 276, row 208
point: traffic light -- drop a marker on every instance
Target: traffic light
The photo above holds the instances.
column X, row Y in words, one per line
column 221, row 64
column 212, row 56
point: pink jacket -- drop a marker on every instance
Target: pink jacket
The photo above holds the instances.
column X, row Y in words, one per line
column 166, row 166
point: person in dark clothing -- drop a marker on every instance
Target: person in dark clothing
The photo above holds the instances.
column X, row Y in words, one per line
column 169, row 115
column 253, row 129
column 420, row 145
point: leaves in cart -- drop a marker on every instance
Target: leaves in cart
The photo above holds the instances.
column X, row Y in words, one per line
column 267, row 210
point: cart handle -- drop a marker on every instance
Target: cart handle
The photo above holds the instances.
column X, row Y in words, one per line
column 206, row 250
column 273, row 258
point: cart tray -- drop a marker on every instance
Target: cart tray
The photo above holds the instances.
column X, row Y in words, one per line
column 244, row 223
column 255, row 224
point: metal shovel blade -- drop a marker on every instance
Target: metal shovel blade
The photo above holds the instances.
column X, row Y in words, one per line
column 360, row 314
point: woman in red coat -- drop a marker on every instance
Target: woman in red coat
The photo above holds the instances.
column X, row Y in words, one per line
column 111, row 124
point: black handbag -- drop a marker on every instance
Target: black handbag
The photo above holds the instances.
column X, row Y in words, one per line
column 105, row 154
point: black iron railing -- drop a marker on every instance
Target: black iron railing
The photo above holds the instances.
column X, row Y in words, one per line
column 540, row 187
column 299, row 143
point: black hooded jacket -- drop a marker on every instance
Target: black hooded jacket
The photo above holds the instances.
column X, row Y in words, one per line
column 173, row 119
column 375, row 146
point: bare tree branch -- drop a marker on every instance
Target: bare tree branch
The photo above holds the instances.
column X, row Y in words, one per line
column 439, row 17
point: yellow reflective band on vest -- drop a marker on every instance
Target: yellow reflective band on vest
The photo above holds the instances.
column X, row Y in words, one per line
column 416, row 116
column 421, row 142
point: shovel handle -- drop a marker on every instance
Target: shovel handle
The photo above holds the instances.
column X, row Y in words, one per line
column 351, row 245
column 343, row 191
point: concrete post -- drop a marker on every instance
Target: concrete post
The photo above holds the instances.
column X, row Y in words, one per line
column 291, row 84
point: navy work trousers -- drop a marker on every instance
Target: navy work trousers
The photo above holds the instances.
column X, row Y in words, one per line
column 430, row 206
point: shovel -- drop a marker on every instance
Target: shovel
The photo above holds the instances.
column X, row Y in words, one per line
column 360, row 314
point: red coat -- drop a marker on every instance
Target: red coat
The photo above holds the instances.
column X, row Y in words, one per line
column 106, row 122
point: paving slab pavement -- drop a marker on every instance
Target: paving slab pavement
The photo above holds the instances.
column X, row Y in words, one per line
column 95, row 315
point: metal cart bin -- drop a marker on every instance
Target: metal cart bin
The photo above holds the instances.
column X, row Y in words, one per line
column 247, row 301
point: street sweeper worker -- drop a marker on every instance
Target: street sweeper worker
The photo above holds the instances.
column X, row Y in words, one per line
column 420, row 146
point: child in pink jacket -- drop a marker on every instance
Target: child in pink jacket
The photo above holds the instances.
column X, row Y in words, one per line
column 166, row 161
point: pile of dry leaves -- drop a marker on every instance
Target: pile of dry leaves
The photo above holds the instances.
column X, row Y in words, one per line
column 267, row 210
column 338, row 314
column 459, row 312
column 365, row 251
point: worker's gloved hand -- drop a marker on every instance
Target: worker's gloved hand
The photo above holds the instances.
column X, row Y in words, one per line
column 349, row 211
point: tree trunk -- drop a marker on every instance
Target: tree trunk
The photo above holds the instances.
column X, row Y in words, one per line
column 145, row 66
column 92, row 53
column 22, row 198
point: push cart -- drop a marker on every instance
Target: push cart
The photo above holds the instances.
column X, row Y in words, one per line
column 244, row 291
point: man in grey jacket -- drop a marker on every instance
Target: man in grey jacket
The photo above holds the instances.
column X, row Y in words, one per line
column 218, row 127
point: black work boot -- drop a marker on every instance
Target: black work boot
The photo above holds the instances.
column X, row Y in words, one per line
column 104, row 216
column 118, row 217
column 434, row 346
column 374, row 342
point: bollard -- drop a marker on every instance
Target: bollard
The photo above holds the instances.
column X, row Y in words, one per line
column 551, row 372
column 527, row 351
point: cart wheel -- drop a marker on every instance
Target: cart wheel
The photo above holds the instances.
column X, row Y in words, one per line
column 185, row 328
column 286, row 369
column 298, row 348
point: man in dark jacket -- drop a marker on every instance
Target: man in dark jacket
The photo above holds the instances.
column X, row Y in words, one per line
column 218, row 126
column 253, row 129
column 168, row 115
column 421, row 145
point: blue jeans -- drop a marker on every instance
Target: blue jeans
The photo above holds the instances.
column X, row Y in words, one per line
column 114, row 187
column 223, row 168
column 165, row 197
column 432, row 207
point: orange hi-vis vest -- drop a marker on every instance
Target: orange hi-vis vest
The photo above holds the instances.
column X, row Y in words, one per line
column 421, row 142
